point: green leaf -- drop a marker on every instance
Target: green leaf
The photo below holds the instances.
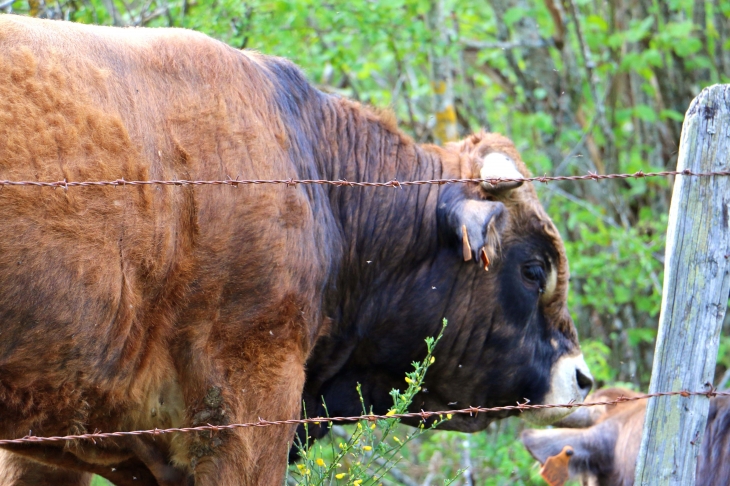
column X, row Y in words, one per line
column 688, row 46
column 641, row 335
column 639, row 30
column 598, row 22
column 513, row 15
column 671, row 115
column 646, row 113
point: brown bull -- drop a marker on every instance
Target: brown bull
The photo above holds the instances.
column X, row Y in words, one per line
column 606, row 439
column 156, row 306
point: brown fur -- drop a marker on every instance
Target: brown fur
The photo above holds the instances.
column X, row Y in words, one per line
column 606, row 442
column 142, row 307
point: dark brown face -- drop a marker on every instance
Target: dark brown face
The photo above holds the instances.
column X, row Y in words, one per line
column 501, row 346
column 513, row 338
column 494, row 266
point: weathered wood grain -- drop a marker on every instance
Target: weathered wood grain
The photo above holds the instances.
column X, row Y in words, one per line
column 695, row 295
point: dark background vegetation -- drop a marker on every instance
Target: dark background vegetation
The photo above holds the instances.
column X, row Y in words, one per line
column 579, row 85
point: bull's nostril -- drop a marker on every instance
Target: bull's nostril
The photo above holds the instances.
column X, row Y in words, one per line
column 585, row 383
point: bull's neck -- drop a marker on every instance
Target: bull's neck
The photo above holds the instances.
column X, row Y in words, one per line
column 367, row 146
column 385, row 230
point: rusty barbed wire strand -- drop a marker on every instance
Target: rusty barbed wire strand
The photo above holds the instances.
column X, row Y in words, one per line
column 423, row 415
column 65, row 184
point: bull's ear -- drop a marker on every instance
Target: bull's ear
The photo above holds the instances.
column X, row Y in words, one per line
column 472, row 223
column 498, row 165
column 592, row 448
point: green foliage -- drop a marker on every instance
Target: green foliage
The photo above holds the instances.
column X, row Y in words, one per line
column 597, row 355
column 496, row 458
column 99, row 481
column 373, row 448
column 630, row 254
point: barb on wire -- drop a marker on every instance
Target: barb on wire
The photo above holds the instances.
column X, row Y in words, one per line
column 423, row 415
column 65, row 184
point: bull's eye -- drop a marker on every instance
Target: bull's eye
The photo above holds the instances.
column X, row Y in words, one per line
column 534, row 275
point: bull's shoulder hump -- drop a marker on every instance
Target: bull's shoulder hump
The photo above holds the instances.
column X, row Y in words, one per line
column 158, row 49
column 104, row 42
column 17, row 26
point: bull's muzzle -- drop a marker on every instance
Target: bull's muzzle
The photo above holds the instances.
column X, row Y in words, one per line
column 570, row 381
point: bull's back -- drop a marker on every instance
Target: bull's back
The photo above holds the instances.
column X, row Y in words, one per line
column 100, row 279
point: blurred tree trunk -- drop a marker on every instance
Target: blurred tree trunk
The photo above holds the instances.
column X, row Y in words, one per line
column 445, row 129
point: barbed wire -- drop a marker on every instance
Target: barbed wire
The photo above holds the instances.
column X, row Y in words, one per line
column 423, row 415
column 65, row 184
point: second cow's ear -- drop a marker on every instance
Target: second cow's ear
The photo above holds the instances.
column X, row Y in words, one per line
column 474, row 224
column 592, row 447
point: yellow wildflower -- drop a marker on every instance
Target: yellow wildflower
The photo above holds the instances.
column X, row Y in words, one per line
column 367, row 448
column 448, row 416
column 320, row 462
column 433, row 359
column 340, row 476
column 357, row 482
column 301, row 467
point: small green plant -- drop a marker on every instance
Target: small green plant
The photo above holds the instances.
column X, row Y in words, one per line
column 366, row 453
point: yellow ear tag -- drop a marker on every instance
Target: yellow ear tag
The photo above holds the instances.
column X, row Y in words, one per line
column 465, row 246
column 485, row 259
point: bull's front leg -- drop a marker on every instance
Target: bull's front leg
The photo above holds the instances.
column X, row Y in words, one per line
column 264, row 383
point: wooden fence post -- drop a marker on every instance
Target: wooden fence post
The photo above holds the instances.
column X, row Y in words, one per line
column 695, row 295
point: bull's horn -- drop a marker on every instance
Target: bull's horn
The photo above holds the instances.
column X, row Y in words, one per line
column 497, row 165
column 466, row 247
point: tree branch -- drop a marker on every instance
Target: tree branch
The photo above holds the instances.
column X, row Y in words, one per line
column 473, row 45
column 592, row 80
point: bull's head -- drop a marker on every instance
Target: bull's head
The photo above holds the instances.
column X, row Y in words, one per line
column 487, row 258
column 516, row 330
